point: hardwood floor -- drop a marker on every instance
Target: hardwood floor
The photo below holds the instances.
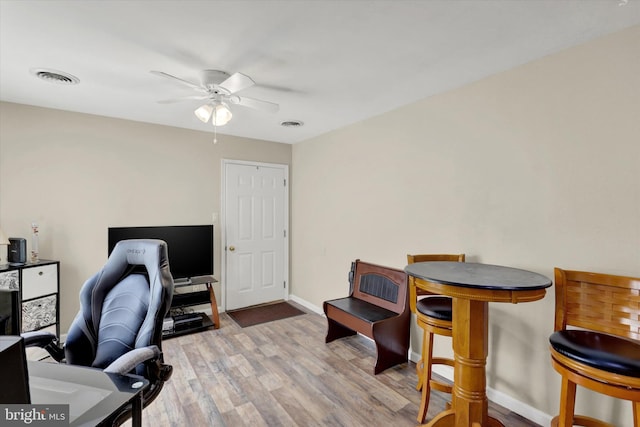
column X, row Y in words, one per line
column 283, row 374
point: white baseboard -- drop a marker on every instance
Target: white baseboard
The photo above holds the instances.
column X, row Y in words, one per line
column 307, row 304
column 502, row 399
column 520, row 408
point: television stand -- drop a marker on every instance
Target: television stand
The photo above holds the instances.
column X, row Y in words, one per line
column 192, row 322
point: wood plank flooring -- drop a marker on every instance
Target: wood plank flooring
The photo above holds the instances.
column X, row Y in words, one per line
column 283, row 374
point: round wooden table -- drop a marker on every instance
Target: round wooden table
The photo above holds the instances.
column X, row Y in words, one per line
column 472, row 286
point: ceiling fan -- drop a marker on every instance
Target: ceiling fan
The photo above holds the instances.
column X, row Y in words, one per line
column 219, row 89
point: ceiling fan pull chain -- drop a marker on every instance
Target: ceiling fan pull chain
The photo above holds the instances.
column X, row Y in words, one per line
column 215, row 133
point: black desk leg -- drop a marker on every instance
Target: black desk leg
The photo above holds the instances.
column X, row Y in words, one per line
column 136, row 411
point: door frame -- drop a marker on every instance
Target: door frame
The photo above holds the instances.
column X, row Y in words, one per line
column 223, row 224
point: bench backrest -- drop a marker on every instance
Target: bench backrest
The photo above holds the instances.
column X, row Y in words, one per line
column 383, row 286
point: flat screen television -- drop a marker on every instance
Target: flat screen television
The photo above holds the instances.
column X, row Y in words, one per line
column 190, row 247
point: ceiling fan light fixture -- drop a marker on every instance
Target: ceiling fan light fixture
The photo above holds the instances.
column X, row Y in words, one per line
column 221, row 115
column 204, row 112
column 218, row 89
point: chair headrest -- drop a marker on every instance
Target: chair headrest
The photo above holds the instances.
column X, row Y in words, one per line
column 150, row 253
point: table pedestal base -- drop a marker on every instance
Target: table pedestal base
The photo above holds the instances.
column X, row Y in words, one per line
column 469, row 404
column 447, row 419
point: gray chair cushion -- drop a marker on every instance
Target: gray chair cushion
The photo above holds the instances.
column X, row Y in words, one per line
column 123, row 311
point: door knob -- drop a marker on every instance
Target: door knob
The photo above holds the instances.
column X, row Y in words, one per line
column 232, row 248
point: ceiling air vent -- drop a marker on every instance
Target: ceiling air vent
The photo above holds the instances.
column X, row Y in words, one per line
column 291, row 124
column 55, row 76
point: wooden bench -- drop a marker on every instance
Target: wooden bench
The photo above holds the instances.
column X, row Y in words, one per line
column 377, row 307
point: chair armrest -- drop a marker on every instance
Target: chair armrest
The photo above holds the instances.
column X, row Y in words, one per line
column 38, row 338
column 128, row 361
column 45, row 340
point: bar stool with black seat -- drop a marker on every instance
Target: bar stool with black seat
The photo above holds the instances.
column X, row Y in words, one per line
column 433, row 315
column 603, row 353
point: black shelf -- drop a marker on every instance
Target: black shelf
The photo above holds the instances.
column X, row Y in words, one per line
column 191, row 298
column 206, row 324
column 200, row 280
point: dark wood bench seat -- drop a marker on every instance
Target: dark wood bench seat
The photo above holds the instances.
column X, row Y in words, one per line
column 378, row 308
column 366, row 311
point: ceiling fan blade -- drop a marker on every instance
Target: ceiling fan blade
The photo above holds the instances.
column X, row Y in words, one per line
column 237, row 82
column 182, row 98
column 255, row 103
column 178, row 79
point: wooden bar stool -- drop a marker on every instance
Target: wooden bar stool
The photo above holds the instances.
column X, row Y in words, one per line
column 604, row 353
column 433, row 315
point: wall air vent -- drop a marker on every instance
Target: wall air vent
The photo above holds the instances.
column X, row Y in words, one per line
column 55, row 76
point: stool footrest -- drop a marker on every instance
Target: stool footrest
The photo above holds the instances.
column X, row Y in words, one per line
column 581, row 420
column 442, row 361
column 437, row 385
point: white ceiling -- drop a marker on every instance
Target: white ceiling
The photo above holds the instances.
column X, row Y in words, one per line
column 327, row 63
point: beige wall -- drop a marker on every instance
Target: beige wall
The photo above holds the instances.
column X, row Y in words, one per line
column 78, row 174
column 532, row 168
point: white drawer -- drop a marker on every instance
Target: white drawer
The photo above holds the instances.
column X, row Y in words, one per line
column 39, row 280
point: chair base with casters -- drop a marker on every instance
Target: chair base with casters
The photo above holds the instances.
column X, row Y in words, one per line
column 602, row 352
column 433, row 316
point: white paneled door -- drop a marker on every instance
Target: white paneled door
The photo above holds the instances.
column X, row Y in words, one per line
column 256, row 228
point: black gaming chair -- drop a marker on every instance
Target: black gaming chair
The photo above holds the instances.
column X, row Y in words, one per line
column 119, row 326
